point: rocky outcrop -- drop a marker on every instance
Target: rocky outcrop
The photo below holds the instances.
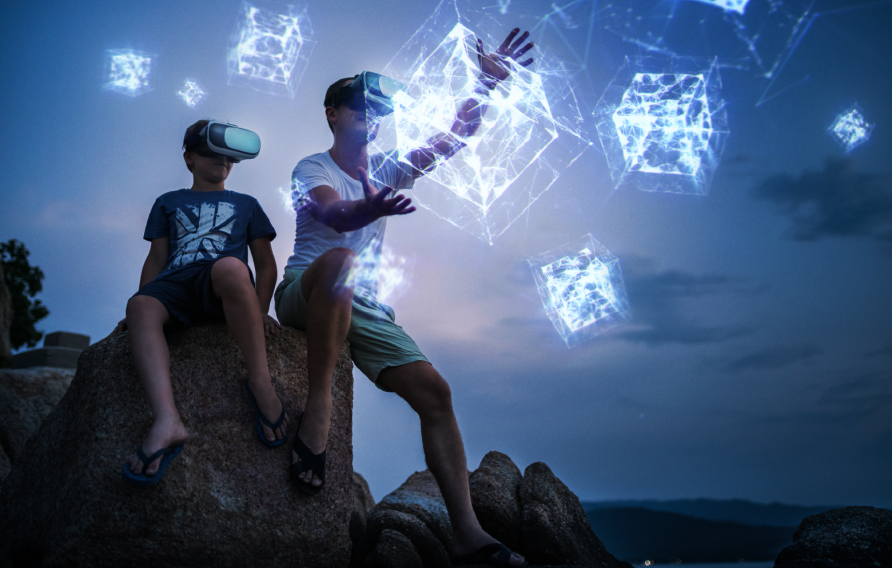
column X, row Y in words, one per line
column 27, row 396
column 362, row 504
column 851, row 537
column 535, row 511
column 225, row 501
column 5, row 320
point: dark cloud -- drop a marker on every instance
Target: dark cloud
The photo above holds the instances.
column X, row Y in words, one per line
column 835, row 202
column 774, row 358
column 882, row 352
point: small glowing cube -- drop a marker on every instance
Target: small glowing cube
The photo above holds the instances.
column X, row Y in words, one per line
column 851, row 129
column 583, row 292
column 128, row 72
column 191, row 93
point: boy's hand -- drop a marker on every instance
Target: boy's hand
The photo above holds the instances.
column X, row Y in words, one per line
column 120, row 328
column 270, row 325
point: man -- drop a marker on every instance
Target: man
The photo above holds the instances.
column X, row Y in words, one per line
column 344, row 216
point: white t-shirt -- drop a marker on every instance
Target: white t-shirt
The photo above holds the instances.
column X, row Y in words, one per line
column 313, row 238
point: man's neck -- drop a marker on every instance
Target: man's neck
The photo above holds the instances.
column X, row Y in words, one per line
column 350, row 156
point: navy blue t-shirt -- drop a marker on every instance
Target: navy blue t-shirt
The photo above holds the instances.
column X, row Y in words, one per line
column 204, row 225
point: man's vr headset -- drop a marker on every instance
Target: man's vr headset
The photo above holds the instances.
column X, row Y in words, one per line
column 370, row 91
column 227, row 139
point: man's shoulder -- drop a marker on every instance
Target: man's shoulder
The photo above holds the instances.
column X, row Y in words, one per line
column 321, row 159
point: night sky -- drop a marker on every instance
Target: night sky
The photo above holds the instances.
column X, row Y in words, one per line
column 758, row 360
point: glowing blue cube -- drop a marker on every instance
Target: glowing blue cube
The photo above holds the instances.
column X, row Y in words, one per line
column 583, row 292
column 191, row 93
column 851, row 129
column 128, row 72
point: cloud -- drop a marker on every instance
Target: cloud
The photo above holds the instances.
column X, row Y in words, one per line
column 835, row 202
column 774, row 358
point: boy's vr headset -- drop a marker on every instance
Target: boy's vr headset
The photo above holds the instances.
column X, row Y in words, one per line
column 226, row 139
column 370, row 91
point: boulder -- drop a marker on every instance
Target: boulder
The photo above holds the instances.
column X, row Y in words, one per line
column 851, row 537
column 428, row 547
column 554, row 525
column 5, row 464
column 495, row 495
column 225, row 501
column 27, row 396
column 420, row 497
column 394, row 550
column 362, row 503
column 5, row 320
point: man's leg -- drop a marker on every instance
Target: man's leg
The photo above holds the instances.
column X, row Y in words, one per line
column 420, row 385
column 329, row 304
column 232, row 284
column 146, row 317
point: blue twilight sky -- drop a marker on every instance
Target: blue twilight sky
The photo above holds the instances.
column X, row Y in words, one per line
column 758, row 363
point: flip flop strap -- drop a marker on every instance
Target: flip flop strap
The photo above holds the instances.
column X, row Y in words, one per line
column 504, row 553
column 308, row 460
column 264, row 419
column 147, row 460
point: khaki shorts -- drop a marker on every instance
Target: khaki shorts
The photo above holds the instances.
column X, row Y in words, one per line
column 376, row 342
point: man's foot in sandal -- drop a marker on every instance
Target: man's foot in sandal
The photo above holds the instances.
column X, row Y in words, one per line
column 165, row 434
column 492, row 554
column 270, row 433
column 307, row 466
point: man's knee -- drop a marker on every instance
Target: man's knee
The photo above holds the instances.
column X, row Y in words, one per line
column 328, row 275
column 422, row 386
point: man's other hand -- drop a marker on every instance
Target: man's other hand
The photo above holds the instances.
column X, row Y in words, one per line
column 377, row 203
column 493, row 65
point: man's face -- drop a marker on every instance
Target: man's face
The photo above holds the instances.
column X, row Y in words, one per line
column 212, row 169
column 353, row 123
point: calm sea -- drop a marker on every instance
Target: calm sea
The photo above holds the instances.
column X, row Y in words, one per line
column 769, row 564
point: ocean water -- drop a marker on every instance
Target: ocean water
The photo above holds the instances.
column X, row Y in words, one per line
column 768, row 564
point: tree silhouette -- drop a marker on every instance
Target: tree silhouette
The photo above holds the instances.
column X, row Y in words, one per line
column 24, row 282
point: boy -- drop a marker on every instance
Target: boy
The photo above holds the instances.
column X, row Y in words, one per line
column 197, row 272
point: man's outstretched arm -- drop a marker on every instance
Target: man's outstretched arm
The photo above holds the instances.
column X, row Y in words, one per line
column 493, row 70
column 328, row 208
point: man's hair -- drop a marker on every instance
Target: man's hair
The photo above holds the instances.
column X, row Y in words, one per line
column 330, row 93
column 190, row 139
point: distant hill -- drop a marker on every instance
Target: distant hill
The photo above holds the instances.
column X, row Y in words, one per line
column 734, row 510
column 636, row 535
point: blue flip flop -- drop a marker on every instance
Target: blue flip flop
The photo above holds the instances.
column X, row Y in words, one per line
column 142, row 478
column 258, row 417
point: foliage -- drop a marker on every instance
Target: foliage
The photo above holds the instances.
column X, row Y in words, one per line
column 24, row 282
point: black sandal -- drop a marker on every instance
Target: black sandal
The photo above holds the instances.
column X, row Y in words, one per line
column 484, row 555
column 308, row 462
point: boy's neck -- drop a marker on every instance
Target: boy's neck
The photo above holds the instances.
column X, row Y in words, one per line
column 199, row 184
column 350, row 157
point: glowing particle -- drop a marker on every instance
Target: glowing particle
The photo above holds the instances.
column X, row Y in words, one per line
column 191, row 93
column 503, row 6
column 583, row 291
column 272, row 50
column 728, row 5
column 128, row 71
column 379, row 273
column 851, row 129
column 502, row 169
column 666, row 130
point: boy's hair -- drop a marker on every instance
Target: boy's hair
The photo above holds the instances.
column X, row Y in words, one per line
column 330, row 93
column 190, row 139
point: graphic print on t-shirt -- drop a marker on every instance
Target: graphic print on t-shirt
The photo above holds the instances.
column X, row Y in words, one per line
column 215, row 222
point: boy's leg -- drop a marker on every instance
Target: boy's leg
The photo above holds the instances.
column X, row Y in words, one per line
column 420, row 385
column 232, row 284
column 329, row 304
column 146, row 317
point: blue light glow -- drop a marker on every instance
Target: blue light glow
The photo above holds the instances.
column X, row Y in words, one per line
column 271, row 50
column 128, row 72
column 191, row 93
column 851, row 129
column 381, row 274
column 663, row 130
column 728, row 5
column 582, row 291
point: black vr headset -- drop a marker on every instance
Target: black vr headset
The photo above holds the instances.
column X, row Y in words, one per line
column 369, row 91
column 221, row 138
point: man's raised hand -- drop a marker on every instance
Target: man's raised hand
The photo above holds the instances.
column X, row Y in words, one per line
column 377, row 203
column 493, row 65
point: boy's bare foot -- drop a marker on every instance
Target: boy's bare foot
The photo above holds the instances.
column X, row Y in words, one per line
column 314, row 434
column 164, row 434
column 271, row 407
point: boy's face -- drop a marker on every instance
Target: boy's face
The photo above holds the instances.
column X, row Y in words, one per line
column 214, row 170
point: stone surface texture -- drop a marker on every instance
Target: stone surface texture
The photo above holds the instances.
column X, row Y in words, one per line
column 5, row 319
column 546, row 520
column 851, row 537
column 394, row 550
column 362, row 504
column 225, row 501
column 27, row 396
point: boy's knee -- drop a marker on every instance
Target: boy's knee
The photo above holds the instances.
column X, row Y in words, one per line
column 143, row 306
column 229, row 271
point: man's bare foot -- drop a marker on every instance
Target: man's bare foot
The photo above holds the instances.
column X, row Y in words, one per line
column 470, row 542
column 271, row 407
column 164, row 434
column 313, row 432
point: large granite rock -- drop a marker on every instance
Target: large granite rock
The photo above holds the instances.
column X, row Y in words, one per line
column 362, row 504
column 27, row 396
column 225, row 501
column 851, row 537
column 5, row 320
column 394, row 550
column 544, row 519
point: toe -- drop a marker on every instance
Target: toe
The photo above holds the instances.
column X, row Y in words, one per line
column 134, row 464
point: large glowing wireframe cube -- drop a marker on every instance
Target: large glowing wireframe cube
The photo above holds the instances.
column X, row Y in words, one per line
column 191, row 93
column 504, row 168
column 738, row 6
column 851, row 129
column 128, row 71
column 663, row 129
column 271, row 50
column 582, row 290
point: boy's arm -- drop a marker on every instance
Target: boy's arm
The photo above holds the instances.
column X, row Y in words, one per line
column 152, row 267
column 265, row 279
column 328, row 208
